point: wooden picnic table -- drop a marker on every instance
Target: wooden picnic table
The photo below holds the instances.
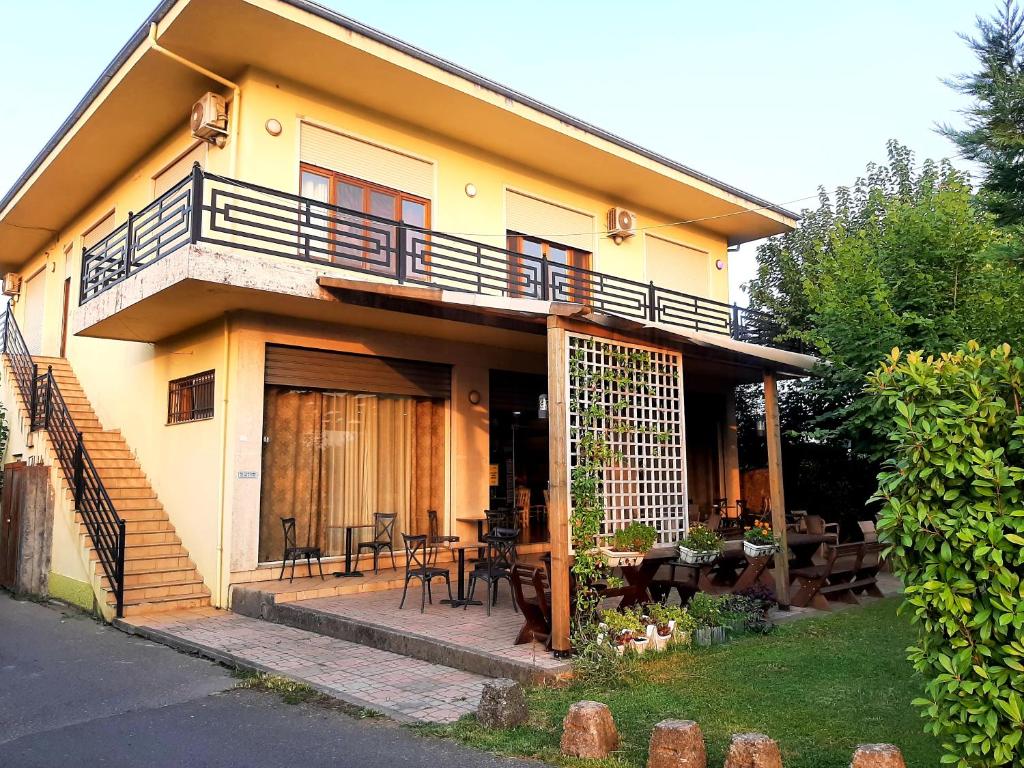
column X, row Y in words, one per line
column 638, row 577
column 804, row 545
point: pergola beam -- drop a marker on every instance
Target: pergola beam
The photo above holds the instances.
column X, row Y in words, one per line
column 773, row 435
column 558, row 488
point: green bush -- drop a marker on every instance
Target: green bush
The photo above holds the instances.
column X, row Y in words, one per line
column 635, row 537
column 952, row 490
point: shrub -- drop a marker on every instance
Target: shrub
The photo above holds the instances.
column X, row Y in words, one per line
column 635, row 537
column 705, row 610
column 953, row 525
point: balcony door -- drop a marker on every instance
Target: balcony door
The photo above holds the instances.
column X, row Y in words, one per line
column 35, row 306
column 367, row 243
column 564, row 282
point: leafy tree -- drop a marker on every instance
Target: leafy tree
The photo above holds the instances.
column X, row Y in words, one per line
column 953, row 522
column 901, row 258
column 994, row 132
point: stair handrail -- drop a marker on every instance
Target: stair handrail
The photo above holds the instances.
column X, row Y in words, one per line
column 48, row 410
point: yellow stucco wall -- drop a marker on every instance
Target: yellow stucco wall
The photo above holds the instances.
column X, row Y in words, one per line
column 127, row 382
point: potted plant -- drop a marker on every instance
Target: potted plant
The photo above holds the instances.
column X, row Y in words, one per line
column 628, row 545
column 707, row 615
column 662, row 628
column 759, row 541
column 621, row 630
column 701, row 545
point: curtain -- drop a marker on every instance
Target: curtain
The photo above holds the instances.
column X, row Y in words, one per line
column 333, row 459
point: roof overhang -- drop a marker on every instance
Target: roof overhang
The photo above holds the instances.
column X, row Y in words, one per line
column 142, row 96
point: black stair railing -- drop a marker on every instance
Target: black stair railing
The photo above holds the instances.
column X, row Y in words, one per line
column 49, row 411
column 207, row 208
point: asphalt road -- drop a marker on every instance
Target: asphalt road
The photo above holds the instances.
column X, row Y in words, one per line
column 76, row 692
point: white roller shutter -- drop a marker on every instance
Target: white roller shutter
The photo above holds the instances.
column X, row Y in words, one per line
column 677, row 266
column 179, row 169
column 547, row 221
column 369, row 162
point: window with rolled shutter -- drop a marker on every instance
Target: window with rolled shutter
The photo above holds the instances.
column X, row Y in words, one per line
column 547, row 221
column 677, row 266
column 179, row 169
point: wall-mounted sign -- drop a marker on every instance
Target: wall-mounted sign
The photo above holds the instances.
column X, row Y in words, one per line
column 248, row 475
column 494, row 475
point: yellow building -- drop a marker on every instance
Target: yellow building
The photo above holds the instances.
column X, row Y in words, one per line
column 335, row 288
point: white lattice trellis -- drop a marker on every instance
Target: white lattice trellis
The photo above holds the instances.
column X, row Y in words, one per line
column 634, row 398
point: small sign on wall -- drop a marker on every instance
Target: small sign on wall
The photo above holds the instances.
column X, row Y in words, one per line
column 248, row 475
column 494, row 475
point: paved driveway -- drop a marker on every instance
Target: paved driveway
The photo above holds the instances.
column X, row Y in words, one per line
column 76, row 692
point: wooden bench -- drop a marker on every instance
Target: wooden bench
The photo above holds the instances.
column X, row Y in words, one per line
column 536, row 608
column 837, row 578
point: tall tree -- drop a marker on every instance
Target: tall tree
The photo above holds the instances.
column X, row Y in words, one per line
column 994, row 132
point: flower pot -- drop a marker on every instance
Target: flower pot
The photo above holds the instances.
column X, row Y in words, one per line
column 759, row 550
column 620, row 648
column 640, row 644
column 705, row 636
column 618, row 559
column 693, row 557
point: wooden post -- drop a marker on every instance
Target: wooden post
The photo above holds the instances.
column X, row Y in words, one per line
column 731, row 451
column 773, row 435
column 558, row 485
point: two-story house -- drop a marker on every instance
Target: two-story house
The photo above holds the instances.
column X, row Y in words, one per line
column 277, row 264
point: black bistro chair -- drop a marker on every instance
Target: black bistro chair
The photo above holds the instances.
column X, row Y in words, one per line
column 383, row 538
column 497, row 564
column 293, row 553
column 434, row 538
column 417, row 566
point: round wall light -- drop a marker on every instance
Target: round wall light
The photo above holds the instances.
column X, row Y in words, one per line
column 471, row 190
column 474, row 397
column 273, row 127
column 719, row 265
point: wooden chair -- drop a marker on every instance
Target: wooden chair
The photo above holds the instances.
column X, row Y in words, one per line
column 383, row 538
column 417, row 566
column 536, row 608
column 868, row 531
column 816, row 525
column 835, row 578
column 523, row 506
column 293, row 552
column 866, row 580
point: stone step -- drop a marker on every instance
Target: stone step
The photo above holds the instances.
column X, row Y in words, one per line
column 143, row 565
column 147, row 592
column 161, row 604
column 146, row 551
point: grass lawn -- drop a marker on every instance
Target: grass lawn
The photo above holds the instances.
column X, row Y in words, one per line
column 818, row 686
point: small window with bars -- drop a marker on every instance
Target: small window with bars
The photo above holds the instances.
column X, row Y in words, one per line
column 190, row 398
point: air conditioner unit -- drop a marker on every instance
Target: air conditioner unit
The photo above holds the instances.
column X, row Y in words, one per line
column 12, row 284
column 209, row 120
column 621, row 224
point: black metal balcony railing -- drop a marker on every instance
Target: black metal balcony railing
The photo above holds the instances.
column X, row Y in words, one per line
column 47, row 410
column 206, row 208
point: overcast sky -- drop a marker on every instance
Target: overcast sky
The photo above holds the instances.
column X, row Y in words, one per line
column 775, row 98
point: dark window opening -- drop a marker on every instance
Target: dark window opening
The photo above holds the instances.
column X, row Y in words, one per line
column 190, row 398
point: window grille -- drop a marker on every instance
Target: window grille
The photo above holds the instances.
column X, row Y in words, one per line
column 190, row 398
column 638, row 392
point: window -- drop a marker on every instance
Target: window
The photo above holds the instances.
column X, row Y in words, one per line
column 348, row 238
column 565, row 284
column 190, row 398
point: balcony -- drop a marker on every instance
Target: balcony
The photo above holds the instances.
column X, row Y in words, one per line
column 207, row 209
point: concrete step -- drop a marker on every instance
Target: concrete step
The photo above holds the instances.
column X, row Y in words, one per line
column 143, row 565
column 157, row 576
column 145, row 592
column 166, row 536
column 126, row 505
column 162, row 604
column 134, row 526
column 131, row 493
column 146, row 551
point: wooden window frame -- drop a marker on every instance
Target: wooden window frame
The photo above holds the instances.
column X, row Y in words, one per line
column 191, row 398
column 368, row 187
column 577, row 258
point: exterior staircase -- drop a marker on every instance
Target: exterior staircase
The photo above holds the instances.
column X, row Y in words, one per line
column 158, row 573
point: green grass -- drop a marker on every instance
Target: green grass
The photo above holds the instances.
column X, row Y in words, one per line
column 819, row 687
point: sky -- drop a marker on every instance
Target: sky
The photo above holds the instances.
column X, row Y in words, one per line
column 776, row 98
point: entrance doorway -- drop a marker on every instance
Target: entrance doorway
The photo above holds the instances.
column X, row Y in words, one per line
column 519, row 449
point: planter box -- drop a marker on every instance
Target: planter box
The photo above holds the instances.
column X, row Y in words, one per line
column 706, row 636
column 692, row 557
column 618, row 559
column 759, row 550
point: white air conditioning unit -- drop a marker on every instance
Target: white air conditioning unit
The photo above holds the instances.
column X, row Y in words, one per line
column 12, row 284
column 621, row 224
column 209, row 119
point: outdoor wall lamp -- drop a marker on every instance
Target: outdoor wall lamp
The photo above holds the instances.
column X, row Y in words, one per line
column 273, row 127
column 471, row 190
column 474, row 397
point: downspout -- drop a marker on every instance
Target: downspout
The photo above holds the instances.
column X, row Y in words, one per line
column 236, row 99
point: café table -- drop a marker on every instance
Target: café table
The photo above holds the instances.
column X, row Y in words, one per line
column 480, row 521
column 461, row 547
column 348, row 572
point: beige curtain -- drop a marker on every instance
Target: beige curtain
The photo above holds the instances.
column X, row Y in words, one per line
column 332, row 459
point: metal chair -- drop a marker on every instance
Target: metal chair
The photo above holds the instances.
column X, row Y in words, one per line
column 417, row 566
column 293, row 552
column 498, row 518
column 434, row 537
column 383, row 538
column 497, row 564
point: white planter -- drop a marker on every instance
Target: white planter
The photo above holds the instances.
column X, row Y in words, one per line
column 640, row 645
column 692, row 557
column 759, row 550
column 619, row 559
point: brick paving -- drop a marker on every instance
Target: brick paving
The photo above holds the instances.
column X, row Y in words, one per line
column 398, row 686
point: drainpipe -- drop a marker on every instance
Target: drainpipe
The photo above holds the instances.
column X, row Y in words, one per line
column 236, row 99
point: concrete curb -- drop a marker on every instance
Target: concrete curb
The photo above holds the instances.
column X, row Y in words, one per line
column 244, row 665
